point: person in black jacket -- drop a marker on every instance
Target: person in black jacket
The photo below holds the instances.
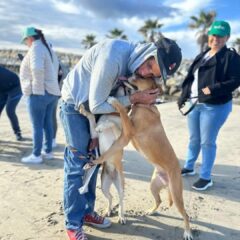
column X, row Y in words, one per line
column 212, row 77
column 10, row 95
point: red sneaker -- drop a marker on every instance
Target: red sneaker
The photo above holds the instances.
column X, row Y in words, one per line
column 76, row 234
column 97, row 221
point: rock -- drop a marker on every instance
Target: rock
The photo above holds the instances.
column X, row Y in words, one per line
column 9, row 59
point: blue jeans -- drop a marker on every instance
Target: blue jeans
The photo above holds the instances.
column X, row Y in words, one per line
column 11, row 99
column 40, row 108
column 77, row 133
column 204, row 123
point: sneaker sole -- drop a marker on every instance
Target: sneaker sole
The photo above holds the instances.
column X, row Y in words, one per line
column 188, row 174
column 99, row 225
column 204, row 188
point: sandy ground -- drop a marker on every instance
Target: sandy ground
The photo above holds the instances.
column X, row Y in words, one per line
column 31, row 196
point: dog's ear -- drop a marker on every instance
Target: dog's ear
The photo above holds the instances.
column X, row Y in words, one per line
column 132, row 78
column 158, row 81
column 128, row 83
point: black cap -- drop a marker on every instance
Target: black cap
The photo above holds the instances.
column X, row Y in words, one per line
column 169, row 56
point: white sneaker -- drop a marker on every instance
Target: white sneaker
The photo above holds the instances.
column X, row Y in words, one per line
column 54, row 144
column 32, row 159
column 47, row 155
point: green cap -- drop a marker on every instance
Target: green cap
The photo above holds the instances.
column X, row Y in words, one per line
column 220, row 28
column 28, row 32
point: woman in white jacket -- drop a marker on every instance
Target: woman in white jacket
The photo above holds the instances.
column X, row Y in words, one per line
column 38, row 77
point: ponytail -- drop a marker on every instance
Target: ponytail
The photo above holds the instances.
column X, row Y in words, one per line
column 41, row 36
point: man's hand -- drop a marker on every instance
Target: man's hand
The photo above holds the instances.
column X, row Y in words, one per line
column 93, row 144
column 145, row 97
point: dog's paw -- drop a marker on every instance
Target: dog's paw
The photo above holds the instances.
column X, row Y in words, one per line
column 82, row 109
column 187, row 235
column 108, row 213
column 111, row 100
column 151, row 211
column 88, row 165
column 122, row 220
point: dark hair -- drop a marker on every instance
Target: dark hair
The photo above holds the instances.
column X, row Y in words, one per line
column 40, row 35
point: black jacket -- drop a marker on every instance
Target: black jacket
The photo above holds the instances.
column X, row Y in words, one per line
column 8, row 80
column 221, row 74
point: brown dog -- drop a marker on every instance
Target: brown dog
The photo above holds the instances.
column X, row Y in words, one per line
column 149, row 138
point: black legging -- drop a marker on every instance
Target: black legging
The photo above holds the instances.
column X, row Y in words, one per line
column 11, row 99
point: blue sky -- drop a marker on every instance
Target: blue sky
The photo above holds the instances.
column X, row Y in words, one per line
column 66, row 22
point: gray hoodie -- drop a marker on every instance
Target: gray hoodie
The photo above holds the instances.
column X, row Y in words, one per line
column 97, row 73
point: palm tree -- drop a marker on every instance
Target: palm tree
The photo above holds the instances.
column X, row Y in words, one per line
column 150, row 30
column 89, row 41
column 236, row 44
column 116, row 33
column 203, row 22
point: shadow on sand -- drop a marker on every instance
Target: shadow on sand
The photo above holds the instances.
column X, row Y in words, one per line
column 136, row 167
column 158, row 228
column 13, row 151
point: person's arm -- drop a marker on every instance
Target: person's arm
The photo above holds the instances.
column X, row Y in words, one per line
column 232, row 79
column 25, row 76
column 37, row 70
column 104, row 73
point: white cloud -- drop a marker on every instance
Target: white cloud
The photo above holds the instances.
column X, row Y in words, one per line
column 235, row 26
column 187, row 41
column 133, row 22
column 189, row 6
column 66, row 7
column 235, row 32
column 66, row 22
column 67, row 34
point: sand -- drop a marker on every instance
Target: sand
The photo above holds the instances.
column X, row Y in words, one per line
column 31, row 195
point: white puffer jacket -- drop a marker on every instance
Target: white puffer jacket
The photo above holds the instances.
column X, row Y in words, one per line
column 38, row 72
